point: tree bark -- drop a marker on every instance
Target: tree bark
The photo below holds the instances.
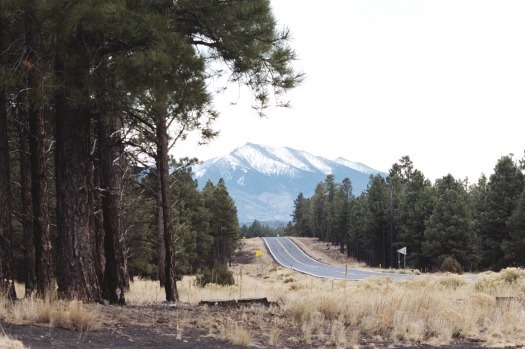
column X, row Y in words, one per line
column 116, row 279
column 43, row 261
column 41, row 225
column 6, row 270
column 5, row 197
column 97, row 219
column 27, row 200
column 161, row 263
column 162, row 150
column 76, row 274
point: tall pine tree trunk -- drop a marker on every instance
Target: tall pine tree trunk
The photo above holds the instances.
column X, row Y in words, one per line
column 41, row 240
column 162, row 154
column 97, row 220
column 6, row 270
column 41, row 225
column 161, row 263
column 5, row 197
column 112, row 172
column 76, row 275
column 27, row 199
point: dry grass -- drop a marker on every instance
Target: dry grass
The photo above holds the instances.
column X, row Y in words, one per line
column 8, row 343
column 73, row 315
column 235, row 332
column 145, row 292
column 425, row 310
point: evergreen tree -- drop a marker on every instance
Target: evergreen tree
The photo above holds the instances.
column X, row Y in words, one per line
column 477, row 200
column 357, row 239
column 256, row 229
column 192, row 224
column 339, row 213
column 301, row 216
column 376, row 222
column 449, row 230
column 514, row 246
column 141, row 238
column 69, row 65
column 318, row 212
column 224, row 225
column 5, row 181
column 415, row 208
column 503, row 191
column 331, row 209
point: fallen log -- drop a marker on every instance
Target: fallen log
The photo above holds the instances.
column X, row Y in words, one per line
column 237, row 302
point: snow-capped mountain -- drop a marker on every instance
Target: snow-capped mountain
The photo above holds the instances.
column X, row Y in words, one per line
column 264, row 181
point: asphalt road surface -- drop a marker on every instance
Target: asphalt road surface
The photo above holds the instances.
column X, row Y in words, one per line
column 289, row 255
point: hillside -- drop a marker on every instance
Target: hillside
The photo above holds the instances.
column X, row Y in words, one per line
column 264, row 181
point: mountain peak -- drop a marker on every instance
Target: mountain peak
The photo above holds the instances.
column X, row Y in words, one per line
column 264, row 180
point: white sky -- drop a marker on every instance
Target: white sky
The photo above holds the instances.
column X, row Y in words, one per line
column 442, row 81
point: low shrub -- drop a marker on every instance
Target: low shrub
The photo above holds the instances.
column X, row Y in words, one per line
column 451, row 265
column 220, row 275
column 508, row 282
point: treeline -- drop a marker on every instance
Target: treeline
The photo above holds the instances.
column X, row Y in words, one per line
column 478, row 226
column 258, row 229
column 89, row 91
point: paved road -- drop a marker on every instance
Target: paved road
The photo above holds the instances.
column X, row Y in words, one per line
column 289, row 255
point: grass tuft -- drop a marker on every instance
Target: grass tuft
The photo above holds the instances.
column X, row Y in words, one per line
column 8, row 343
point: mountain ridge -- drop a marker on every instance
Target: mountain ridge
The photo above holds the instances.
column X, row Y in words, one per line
column 265, row 180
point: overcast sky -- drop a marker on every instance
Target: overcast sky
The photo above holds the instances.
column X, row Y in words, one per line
column 442, row 81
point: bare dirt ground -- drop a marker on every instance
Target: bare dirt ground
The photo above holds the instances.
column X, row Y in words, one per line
column 188, row 325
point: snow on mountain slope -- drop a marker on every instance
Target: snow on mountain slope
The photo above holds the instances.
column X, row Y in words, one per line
column 264, row 181
column 355, row 165
column 261, row 160
column 269, row 160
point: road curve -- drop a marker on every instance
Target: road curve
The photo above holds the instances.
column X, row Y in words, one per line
column 289, row 255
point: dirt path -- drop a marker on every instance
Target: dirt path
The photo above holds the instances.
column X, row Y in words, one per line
column 117, row 337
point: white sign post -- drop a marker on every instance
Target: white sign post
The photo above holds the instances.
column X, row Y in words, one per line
column 402, row 251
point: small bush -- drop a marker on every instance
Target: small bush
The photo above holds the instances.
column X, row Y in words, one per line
column 219, row 275
column 75, row 316
column 299, row 310
column 512, row 275
column 329, row 307
column 509, row 282
column 451, row 265
column 453, row 281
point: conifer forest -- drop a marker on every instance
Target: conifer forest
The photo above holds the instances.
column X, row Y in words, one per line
column 94, row 98
column 451, row 225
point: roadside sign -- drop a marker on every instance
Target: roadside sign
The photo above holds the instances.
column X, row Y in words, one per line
column 402, row 251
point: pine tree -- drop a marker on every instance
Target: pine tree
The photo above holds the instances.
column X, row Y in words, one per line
column 514, row 245
column 340, row 213
column 318, row 212
column 415, row 208
column 6, row 267
column 192, row 223
column 300, row 216
column 503, row 191
column 224, row 225
column 152, row 69
column 376, row 222
column 449, row 230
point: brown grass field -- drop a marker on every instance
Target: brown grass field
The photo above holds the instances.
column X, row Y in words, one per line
column 306, row 312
